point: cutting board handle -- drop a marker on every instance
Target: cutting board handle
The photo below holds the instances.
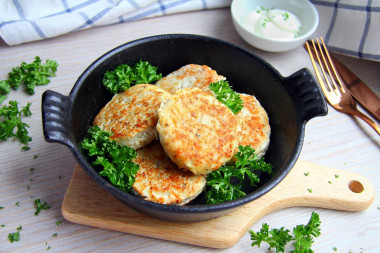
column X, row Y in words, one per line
column 308, row 184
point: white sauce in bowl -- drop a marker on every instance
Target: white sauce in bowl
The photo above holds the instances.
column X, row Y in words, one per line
column 272, row 23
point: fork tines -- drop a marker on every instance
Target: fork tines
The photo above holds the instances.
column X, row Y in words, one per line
column 319, row 51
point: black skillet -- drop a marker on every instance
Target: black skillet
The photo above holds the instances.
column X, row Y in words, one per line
column 289, row 101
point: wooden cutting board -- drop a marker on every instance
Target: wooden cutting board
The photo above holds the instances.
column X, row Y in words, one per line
column 307, row 184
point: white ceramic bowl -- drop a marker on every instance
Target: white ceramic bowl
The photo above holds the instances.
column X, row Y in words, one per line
column 303, row 9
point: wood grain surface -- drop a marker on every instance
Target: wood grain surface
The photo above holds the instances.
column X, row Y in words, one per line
column 336, row 141
column 307, row 184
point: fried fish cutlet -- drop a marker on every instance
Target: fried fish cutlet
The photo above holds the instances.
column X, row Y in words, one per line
column 160, row 180
column 197, row 131
column 255, row 125
column 188, row 76
column 132, row 115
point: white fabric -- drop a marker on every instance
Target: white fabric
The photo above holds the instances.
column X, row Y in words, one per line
column 30, row 20
column 350, row 27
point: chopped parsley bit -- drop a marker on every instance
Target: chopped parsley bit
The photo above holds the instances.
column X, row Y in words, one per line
column 15, row 237
column 310, row 190
column 35, row 156
column 32, row 169
column 58, row 223
column 306, row 174
column 330, row 182
column 28, row 187
column 31, row 180
column 40, row 206
column 378, row 208
column 335, row 249
column 55, row 235
column 60, row 177
column 336, row 175
column 285, row 16
column 48, row 248
column 2, row 225
column 17, row 203
column 1, row 207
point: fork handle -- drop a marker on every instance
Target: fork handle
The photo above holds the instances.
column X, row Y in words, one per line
column 309, row 101
column 368, row 120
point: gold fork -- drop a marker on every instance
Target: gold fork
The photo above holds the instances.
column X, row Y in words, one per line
column 335, row 91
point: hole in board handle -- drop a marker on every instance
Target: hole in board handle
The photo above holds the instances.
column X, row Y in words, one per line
column 356, row 186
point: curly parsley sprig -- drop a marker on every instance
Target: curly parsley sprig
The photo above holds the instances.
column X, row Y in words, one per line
column 11, row 124
column 226, row 183
column 124, row 76
column 113, row 158
column 302, row 238
column 225, row 94
column 32, row 74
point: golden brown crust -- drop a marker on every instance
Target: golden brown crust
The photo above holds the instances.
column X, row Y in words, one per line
column 188, row 76
column 255, row 125
column 198, row 132
column 132, row 115
column 161, row 181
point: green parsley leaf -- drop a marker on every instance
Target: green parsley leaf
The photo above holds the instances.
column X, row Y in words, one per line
column 226, row 183
column 11, row 125
column 113, row 158
column 146, row 73
column 302, row 238
column 225, row 94
column 15, row 237
column 124, row 76
column 5, row 87
column 304, row 235
column 58, row 222
column 118, row 80
column 32, row 74
column 39, row 206
column 276, row 238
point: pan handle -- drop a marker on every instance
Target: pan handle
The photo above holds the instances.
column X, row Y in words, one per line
column 304, row 90
column 56, row 118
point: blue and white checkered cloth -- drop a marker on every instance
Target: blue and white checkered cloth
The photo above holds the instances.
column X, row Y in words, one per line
column 30, row 20
column 351, row 27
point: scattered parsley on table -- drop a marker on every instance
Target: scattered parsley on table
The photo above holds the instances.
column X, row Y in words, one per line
column 15, row 237
column 39, row 206
column 302, row 237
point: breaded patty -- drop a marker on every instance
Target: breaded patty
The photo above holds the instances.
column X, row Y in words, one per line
column 160, row 180
column 191, row 75
column 255, row 125
column 197, row 131
column 132, row 115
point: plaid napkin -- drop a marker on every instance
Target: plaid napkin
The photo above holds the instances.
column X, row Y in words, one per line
column 30, row 20
column 350, row 27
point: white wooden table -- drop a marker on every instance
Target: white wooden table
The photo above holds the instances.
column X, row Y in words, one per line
column 336, row 140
